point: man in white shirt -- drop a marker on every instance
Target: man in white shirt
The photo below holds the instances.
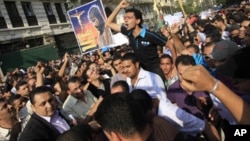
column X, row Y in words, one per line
column 138, row 78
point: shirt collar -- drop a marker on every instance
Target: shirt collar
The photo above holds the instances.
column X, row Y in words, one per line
column 72, row 99
column 56, row 113
column 142, row 74
column 142, row 33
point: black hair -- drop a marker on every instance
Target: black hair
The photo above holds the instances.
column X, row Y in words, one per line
column 123, row 84
column 219, row 18
column 47, row 70
column 143, row 98
column 122, row 114
column 38, row 90
column 130, row 56
column 20, row 83
column 196, row 48
column 167, row 56
column 215, row 35
column 72, row 79
column 208, row 28
column 185, row 60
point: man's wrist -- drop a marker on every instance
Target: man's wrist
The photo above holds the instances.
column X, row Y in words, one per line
column 215, row 86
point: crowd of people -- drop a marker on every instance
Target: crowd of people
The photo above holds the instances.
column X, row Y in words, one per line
column 173, row 84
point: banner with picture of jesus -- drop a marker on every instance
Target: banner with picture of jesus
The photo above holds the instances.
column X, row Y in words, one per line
column 88, row 23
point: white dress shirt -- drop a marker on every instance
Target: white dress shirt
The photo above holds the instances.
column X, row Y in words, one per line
column 153, row 84
column 150, row 82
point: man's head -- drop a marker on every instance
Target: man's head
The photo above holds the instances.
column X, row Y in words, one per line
column 223, row 49
column 219, row 21
column 133, row 18
column 243, row 26
column 144, row 99
column 234, row 31
column 42, row 101
column 120, row 116
column 119, row 86
column 106, row 55
column 130, row 65
column 17, row 102
column 5, row 112
column 92, row 72
column 96, row 17
column 75, row 88
column 183, row 62
column 217, row 54
column 193, row 49
column 206, row 51
column 117, row 63
column 166, row 64
column 22, row 88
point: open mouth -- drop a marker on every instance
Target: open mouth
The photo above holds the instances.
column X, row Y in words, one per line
column 126, row 25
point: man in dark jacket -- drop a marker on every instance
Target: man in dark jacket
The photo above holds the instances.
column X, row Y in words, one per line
column 46, row 123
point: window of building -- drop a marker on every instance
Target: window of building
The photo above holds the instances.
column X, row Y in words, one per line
column 29, row 13
column 60, row 13
column 49, row 12
column 13, row 13
column 2, row 21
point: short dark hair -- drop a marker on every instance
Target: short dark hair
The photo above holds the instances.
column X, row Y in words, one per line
column 123, row 84
column 116, row 57
column 137, row 13
column 122, row 114
column 12, row 98
column 39, row 90
column 219, row 18
column 164, row 56
column 143, row 98
column 196, row 48
column 20, row 83
column 72, row 79
column 130, row 56
column 215, row 35
column 207, row 45
column 185, row 60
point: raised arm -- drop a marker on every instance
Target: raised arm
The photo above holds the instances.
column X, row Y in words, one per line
column 39, row 69
column 110, row 21
column 63, row 67
column 197, row 78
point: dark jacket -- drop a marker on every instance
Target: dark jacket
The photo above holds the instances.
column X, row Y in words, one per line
column 38, row 129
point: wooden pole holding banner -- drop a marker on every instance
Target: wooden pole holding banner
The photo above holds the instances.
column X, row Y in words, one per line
column 182, row 9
